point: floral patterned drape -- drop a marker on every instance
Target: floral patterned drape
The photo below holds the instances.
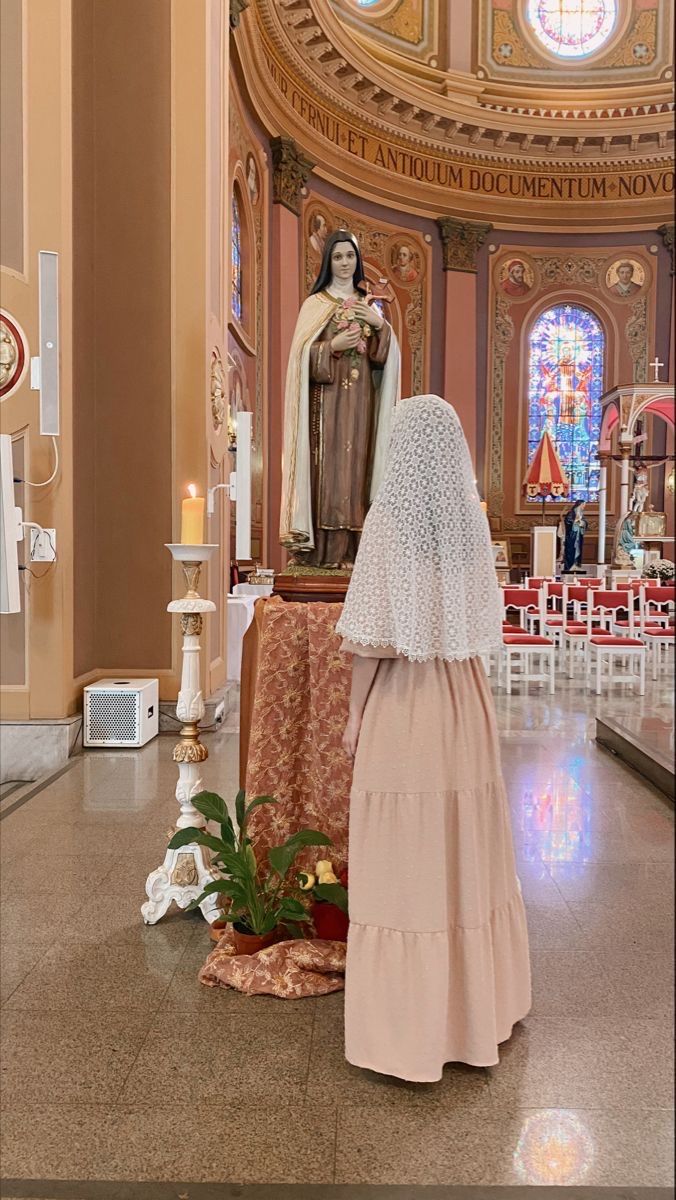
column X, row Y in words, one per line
column 299, row 714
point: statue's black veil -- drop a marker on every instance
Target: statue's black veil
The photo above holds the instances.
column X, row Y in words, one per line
column 324, row 277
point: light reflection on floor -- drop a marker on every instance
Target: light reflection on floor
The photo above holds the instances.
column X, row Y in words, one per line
column 554, row 1148
column 553, row 822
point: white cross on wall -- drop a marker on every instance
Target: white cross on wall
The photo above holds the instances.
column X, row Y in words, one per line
column 656, row 364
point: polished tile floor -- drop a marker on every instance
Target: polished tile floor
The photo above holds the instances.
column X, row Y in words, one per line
column 117, row 1065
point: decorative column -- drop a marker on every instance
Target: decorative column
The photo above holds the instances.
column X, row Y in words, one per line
column 603, row 509
column 185, row 872
column 290, row 172
column 668, row 233
column 625, row 451
column 461, row 241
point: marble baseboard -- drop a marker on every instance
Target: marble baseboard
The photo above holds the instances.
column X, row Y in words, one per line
column 644, row 744
column 216, row 709
column 31, row 749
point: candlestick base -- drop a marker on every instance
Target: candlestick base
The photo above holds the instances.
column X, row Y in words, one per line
column 180, row 879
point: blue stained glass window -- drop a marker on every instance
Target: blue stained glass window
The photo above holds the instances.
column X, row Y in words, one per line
column 565, row 384
column 236, row 259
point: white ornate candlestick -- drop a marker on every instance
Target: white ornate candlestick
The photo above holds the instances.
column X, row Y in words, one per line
column 185, row 872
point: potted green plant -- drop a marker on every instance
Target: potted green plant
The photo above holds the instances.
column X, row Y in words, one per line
column 259, row 901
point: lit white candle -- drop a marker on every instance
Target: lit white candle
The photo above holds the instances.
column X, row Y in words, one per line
column 192, row 518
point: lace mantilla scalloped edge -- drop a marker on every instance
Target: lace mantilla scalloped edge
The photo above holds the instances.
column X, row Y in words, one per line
column 379, row 645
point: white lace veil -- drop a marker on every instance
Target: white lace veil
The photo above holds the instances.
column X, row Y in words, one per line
column 424, row 580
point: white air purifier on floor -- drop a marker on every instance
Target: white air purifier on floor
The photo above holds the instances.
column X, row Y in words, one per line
column 121, row 712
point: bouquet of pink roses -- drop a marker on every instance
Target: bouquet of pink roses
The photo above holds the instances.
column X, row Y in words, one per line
column 344, row 319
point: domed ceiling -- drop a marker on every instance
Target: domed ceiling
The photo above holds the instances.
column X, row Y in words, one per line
column 470, row 109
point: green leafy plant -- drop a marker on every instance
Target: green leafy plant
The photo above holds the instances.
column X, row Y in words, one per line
column 258, row 899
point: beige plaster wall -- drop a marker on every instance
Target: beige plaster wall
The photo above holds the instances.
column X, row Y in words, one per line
column 11, row 134
column 46, row 72
column 122, row 331
column 118, row 104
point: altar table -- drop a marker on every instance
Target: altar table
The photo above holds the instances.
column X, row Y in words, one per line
column 294, row 704
column 240, row 616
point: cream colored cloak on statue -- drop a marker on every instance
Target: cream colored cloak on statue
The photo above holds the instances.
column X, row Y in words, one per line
column 296, row 530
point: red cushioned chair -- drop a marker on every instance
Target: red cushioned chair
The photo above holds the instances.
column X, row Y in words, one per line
column 553, row 594
column 621, row 624
column 555, row 611
column 580, row 604
column 605, row 649
column 656, row 624
column 524, row 649
column 575, row 630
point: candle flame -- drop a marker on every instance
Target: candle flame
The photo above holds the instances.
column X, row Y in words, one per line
column 192, row 490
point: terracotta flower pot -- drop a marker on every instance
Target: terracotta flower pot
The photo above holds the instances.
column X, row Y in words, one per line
column 330, row 921
column 217, row 929
column 251, row 943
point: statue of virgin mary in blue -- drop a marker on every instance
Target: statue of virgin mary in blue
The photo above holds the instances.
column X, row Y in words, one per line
column 575, row 524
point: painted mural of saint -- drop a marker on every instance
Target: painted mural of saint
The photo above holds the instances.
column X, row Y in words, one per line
column 626, row 284
column 515, row 283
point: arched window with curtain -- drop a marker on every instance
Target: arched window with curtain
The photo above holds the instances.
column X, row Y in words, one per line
column 236, row 259
column 566, row 354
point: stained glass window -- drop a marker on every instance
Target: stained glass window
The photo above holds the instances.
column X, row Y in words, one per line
column 565, row 384
column 572, row 28
column 236, row 259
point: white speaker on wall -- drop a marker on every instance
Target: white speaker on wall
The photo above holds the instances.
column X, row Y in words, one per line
column 45, row 367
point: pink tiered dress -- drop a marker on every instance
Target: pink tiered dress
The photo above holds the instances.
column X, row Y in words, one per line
column 437, row 957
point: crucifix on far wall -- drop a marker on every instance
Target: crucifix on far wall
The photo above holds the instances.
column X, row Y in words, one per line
column 656, row 364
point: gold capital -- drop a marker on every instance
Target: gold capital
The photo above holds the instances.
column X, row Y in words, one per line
column 236, row 9
column 462, row 241
column 290, row 171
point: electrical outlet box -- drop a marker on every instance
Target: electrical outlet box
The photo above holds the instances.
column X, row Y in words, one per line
column 43, row 545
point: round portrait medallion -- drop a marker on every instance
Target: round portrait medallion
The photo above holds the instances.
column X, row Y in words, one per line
column 14, row 354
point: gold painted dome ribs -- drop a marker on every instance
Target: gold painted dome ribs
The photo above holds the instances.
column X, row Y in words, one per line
column 420, row 135
column 351, row 79
column 408, row 113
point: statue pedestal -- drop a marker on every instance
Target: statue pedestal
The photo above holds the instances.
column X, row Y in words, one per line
column 331, row 588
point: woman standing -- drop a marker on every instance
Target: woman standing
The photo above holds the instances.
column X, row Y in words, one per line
column 341, row 386
column 437, row 958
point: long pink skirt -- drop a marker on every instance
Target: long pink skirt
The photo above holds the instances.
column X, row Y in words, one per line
column 437, row 956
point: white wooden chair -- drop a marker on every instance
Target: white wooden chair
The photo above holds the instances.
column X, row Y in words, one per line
column 604, row 649
column 656, row 626
column 532, row 654
column 575, row 629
